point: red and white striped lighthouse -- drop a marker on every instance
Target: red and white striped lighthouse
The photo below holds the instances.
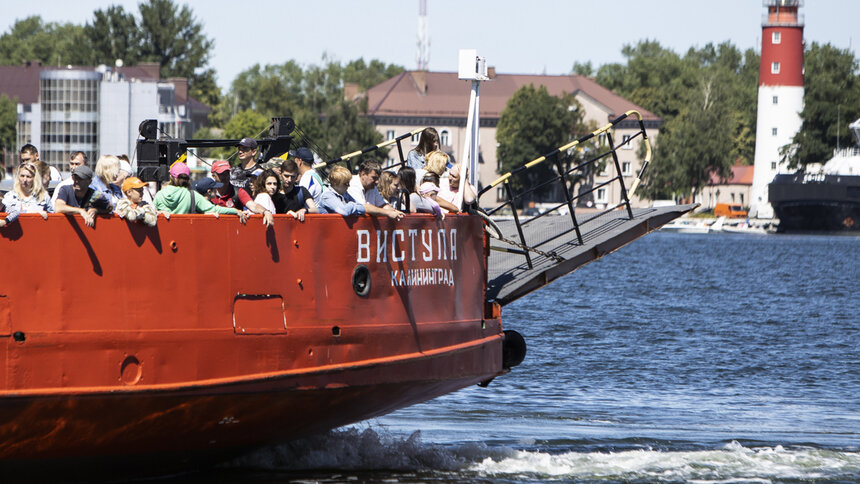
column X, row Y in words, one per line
column 780, row 95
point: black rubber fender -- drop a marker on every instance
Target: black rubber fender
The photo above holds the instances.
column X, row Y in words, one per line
column 513, row 349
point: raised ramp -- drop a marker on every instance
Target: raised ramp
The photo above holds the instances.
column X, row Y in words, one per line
column 555, row 249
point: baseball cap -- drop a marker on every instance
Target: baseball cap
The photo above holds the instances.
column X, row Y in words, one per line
column 204, row 184
column 303, row 154
column 83, row 172
column 132, row 182
column 179, row 168
column 220, row 166
column 248, row 143
column 427, row 187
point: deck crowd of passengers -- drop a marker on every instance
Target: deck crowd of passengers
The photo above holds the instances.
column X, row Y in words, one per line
column 279, row 186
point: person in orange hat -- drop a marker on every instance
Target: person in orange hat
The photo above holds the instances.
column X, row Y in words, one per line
column 133, row 207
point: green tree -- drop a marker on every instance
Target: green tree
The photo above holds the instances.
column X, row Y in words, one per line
column 533, row 123
column 707, row 95
column 831, row 90
column 174, row 38
column 50, row 43
column 583, row 69
column 114, row 34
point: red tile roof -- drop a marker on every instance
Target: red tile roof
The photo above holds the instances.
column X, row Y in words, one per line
column 21, row 82
column 741, row 175
column 447, row 96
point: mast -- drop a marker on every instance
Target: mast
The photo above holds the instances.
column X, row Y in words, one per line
column 471, row 68
column 780, row 96
column 422, row 57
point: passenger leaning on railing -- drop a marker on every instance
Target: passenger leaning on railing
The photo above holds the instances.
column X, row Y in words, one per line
column 107, row 169
column 133, row 207
column 27, row 196
column 337, row 200
column 80, row 198
column 389, row 187
column 177, row 197
column 297, row 201
column 363, row 190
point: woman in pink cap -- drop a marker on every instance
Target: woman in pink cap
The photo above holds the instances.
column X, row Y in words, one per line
column 177, row 197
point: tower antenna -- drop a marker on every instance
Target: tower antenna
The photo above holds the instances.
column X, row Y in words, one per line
column 422, row 57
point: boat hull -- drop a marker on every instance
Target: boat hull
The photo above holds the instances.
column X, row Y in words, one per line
column 203, row 337
column 816, row 203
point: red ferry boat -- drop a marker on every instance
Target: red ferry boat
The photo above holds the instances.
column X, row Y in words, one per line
column 202, row 337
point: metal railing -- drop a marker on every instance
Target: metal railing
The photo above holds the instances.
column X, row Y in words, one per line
column 516, row 190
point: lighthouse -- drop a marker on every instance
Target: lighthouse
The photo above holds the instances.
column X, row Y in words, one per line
column 780, row 96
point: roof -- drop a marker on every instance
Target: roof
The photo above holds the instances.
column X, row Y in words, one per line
column 741, row 175
column 21, row 81
column 445, row 94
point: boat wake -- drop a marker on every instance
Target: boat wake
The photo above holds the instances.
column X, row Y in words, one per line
column 377, row 451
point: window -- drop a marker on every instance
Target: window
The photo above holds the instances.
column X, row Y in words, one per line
column 774, row 68
column 500, row 194
column 776, row 99
column 733, row 197
column 742, row 198
column 601, row 195
column 625, row 168
column 444, row 138
column 625, row 140
column 389, row 134
column 773, row 131
column 415, row 138
column 773, row 165
column 776, row 37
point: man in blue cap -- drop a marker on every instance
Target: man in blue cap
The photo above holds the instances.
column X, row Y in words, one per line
column 308, row 177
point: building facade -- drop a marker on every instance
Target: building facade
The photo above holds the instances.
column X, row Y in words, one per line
column 418, row 99
column 96, row 110
column 736, row 189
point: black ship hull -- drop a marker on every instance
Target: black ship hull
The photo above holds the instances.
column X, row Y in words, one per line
column 816, row 203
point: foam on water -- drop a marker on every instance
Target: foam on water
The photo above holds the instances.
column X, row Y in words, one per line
column 367, row 449
column 733, row 462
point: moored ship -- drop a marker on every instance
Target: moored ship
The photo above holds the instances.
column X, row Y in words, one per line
column 821, row 198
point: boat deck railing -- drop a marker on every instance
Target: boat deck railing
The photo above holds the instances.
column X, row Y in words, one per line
column 520, row 186
column 530, row 251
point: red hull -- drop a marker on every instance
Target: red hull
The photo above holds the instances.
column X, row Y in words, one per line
column 203, row 335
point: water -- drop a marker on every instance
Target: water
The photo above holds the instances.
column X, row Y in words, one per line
column 680, row 358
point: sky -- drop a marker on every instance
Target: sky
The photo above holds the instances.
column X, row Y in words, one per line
column 517, row 37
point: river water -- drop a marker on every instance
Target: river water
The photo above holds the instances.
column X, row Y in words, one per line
column 680, row 358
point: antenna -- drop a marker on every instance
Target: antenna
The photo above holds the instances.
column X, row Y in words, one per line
column 422, row 57
column 838, row 114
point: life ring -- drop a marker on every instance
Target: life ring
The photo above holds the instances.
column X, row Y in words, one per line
column 490, row 226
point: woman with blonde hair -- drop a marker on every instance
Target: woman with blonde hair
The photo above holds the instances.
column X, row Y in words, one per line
column 107, row 170
column 389, row 187
column 27, row 196
column 436, row 162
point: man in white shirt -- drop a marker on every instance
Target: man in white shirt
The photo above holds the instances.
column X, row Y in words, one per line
column 363, row 190
column 308, row 177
